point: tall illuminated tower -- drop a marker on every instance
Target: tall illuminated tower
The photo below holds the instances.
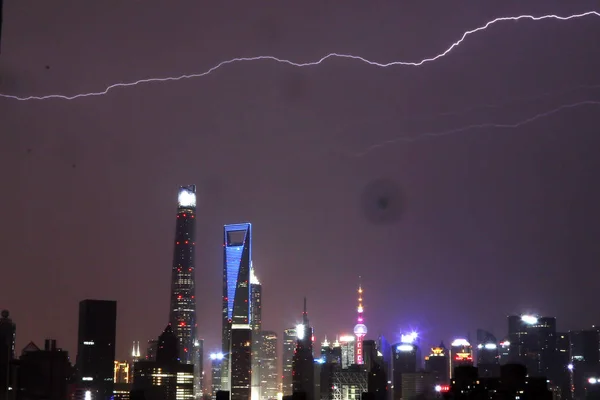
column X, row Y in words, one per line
column 236, row 331
column 360, row 329
column 256, row 325
column 182, row 315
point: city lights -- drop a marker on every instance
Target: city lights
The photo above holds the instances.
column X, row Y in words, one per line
column 409, row 337
column 300, row 331
column 529, row 319
column 460, row 343
column 186, row 198
column 217, row 356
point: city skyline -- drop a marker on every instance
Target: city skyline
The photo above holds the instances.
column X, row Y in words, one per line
column 449, row 233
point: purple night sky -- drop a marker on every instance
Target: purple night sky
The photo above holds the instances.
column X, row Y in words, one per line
column 493, row 221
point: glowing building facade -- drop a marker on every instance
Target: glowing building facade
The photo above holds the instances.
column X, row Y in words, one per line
column 182, row 314
column 347, row 344
column 269, row 382
column 256, row 325
column 216, row 364
column 461, row 354
column 236, row 330
column 360, row 330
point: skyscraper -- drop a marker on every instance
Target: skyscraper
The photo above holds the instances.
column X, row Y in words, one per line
column 303, row 361
column 182, row 314
column 256, row 324
column 167, row 378
column 96, row 345
column 360, row 330
column 533, row 343
column 216, row 363
column 287, row 356
column 461, row 354
column 236, row 331
column 268, row 366
column 198, row 368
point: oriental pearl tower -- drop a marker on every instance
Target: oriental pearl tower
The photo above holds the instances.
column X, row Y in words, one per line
column 360, row 329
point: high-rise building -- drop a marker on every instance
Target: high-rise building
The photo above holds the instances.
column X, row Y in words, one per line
column 256, row 324
column 360, row 329
column 237, row 329
column 303, row 361
column 7, row 351
column 151, row 350
column 216, row 363
column 241, row 362
column 198, row 368
column 237, row 265
column 287, row 356
column 269, row 382
column 461, row 354
column 438, row 365
column 182, row 314
column 122, row 372
column 406, row 358
column 96, row 346
column 488, row 357
column 533, row 343
column 347, row 343
column 43, row 374
column 167, row 378
column 585, row 359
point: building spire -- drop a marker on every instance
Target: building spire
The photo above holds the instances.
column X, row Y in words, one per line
column 360, row 329
column 305, row 313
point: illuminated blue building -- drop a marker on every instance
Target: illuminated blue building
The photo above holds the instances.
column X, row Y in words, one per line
column 237, row 256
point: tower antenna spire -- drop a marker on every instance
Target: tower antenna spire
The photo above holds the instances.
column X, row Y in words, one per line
column 360, row 329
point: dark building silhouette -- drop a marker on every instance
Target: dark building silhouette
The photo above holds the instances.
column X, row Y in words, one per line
column 585, row 360
column 513, row 383
column 8, row 332
column 533, row 343
column 151, row 350
column 560, row 373
column 96, row 345
column 237, row 264
column 303, row 361
column 167, row 378
column 241, row 363
column 182, row 314
column 438, row 364
column 376, row 371
column 406, row 358
column 42, row 374
column 488, row 357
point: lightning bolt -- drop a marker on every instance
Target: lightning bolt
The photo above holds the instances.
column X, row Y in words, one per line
column 306, row 64
column 414, row 138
